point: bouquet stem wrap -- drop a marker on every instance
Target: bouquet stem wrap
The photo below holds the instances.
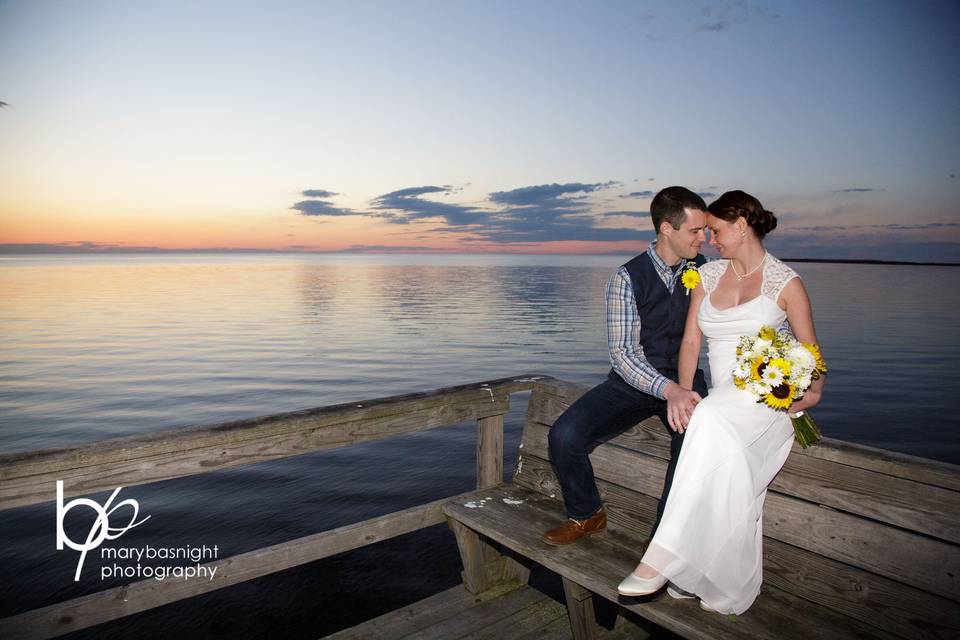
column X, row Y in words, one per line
column 805, row 429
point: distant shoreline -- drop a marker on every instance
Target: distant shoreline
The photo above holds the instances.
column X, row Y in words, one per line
column 854, row 261
column 150, row 251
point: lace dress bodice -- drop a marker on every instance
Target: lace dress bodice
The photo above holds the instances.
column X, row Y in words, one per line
column 724, row 327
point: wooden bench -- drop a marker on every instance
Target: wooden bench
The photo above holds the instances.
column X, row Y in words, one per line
column 858, row 542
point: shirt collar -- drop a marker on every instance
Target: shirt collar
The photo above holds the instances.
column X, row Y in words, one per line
column 667, row 274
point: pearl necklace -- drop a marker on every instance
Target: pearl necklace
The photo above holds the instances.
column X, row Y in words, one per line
column 748, row 273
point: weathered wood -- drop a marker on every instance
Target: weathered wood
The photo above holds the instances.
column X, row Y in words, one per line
column 598, row 565
column 489, row 451
column 554, row 396
column 413, row 619
column 907, row 611
column 583, row 620
column 28, row 478
column 902, row 610
column 930, row 510
column 899, row 554
column 521, row 611
column 475, row 577
column 103, row 606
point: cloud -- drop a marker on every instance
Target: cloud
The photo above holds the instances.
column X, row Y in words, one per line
column 867, row 247
column 719, row 25
column 75, row 246
column 725, row 16
column 706, row 194
column 545, row 195
column 83, row 246
column 384, row 248
column 319, row 193
column 320, row 206
column 550, row 213
column 859, row 228
column 856, row 190
column 631, row 214
column 406, row 205
column 639, row 194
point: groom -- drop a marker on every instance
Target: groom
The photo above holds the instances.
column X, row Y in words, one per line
column 646, row 312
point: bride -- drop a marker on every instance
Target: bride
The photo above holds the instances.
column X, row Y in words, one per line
column 709, row 539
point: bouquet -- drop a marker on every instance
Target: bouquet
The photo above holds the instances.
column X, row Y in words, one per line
column 776, row 369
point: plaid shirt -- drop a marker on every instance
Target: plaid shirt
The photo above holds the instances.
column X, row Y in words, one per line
column 623, row 327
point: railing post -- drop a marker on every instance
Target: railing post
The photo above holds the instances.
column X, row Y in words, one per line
column 489, row 451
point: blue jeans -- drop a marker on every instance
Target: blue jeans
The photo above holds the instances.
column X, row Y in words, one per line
column 607, row 410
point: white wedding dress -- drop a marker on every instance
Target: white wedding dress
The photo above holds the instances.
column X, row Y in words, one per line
column 709, row 541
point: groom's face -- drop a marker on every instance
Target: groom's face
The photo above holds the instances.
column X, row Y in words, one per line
column 686, row 240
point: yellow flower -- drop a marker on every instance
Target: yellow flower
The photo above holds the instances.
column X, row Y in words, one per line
column 767, row 333
column 756, row 368
column 690, row 278
column 739, row 383
column 781, row 397
column 814, row 350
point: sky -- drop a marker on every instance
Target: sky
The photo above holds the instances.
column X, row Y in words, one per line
column 455, row 126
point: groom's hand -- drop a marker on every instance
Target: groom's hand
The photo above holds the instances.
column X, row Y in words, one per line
column 680, row 405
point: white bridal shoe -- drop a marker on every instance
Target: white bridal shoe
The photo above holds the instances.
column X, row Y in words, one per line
column 633, row 585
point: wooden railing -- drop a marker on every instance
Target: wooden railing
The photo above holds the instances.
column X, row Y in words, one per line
column 30, row 478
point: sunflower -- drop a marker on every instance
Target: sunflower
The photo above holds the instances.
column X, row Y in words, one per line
column 757, row 365
column 780, row 397
column 814, row 350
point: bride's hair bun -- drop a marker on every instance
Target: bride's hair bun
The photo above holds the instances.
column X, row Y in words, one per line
column 762, row 222
column 738, row 204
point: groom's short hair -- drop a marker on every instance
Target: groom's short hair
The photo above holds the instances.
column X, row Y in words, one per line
column 670, row 203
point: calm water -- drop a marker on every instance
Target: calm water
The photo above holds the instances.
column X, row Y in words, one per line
column 98, row 347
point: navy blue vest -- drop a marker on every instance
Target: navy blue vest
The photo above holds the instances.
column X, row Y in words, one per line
column 662, row 314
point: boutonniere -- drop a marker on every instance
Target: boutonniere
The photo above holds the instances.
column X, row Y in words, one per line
column 690, row 277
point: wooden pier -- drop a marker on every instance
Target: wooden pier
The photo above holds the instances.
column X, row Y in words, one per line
column 859, row 542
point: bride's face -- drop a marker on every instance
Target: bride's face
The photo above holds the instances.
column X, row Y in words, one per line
column 725, row 236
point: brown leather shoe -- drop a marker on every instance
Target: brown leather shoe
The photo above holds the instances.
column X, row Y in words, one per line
column 572, row 530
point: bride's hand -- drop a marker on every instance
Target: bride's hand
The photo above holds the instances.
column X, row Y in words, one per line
column 811, row 398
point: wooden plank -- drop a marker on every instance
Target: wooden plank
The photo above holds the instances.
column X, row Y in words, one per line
column 900, row 609
column 900, row 465
column 489, row 451
column 530, row 619
column 930, row 510
column 15, row 465
column 598, row 566
column 897, row 554
column 583, row 620
column 907, row 611
column 111, row 604
column 489, row 615
column 901, row 555
column 934, row 511
column 410, row 620
column 559, row 629
column 28, row 478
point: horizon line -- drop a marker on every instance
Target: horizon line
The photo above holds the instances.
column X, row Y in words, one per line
column 67, row 250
